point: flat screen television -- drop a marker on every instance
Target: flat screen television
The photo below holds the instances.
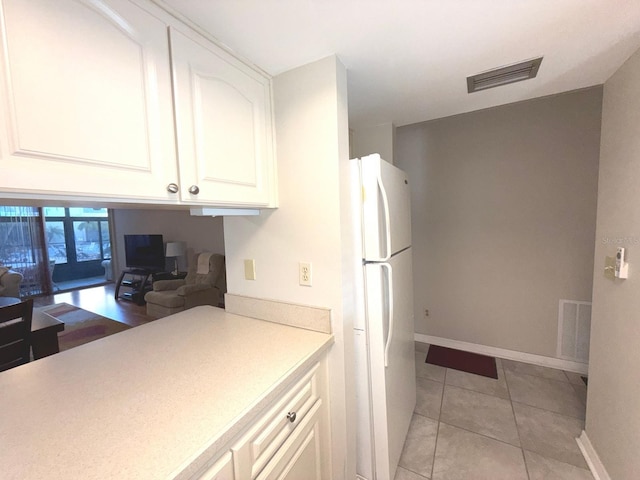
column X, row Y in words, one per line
column 144, row 252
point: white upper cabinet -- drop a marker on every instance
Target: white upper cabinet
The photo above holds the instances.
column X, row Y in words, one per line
column 224, row 126
column 86, row 101
column 94, row 94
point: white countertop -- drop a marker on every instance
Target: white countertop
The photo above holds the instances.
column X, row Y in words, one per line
column 147, row 402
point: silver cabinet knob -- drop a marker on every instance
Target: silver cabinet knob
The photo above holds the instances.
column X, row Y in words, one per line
column 172, row 188
column 291, row 416
column 193, row 189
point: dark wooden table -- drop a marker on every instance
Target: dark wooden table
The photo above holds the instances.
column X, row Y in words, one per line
column 44, row 330
column 44, row 334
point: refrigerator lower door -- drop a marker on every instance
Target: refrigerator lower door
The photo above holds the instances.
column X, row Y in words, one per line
column 365, row 458
column 390, row 333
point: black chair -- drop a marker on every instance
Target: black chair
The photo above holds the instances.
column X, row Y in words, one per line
column 15, row 334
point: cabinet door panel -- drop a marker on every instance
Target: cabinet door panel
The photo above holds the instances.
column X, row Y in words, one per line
column 271, row 430
column 221, row 470
column 300, row 457
column 223, row 116
column 88, row 98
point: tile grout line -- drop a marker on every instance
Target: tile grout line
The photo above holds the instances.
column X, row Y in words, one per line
column 524, row 459
column 435, row 447
column 477, row 391
column 538, row 376
column 409, row 470
column 482, row 435
column 503, row 371
column 573, row 390
column 548, row 411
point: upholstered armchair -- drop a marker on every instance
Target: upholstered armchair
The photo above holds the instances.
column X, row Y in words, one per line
column 205, row 284
column 9, row 283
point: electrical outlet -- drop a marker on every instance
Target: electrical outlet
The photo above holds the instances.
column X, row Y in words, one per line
column 304, row 274
column 426, row 312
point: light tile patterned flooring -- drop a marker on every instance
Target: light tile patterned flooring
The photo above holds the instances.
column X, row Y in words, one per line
column 521, row 426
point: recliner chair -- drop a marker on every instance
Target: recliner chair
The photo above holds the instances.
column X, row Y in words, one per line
column 205, row 284
column 10, row 283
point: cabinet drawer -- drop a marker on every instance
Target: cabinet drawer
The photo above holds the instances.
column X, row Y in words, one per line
column 299, row 457
column 260, row 443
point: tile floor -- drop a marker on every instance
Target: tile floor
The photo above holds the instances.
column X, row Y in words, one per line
column 521, row 426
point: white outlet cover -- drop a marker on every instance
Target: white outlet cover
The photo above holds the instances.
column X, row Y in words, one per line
column 304, row 274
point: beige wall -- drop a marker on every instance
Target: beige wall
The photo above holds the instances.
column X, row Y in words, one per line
column 503, row 211
column 200, row 233
column 613, row 404
column 312, row 151
column 377, row 139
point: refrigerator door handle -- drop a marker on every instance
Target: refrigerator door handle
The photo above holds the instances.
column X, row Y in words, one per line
column 387, row 345
column 387, row 219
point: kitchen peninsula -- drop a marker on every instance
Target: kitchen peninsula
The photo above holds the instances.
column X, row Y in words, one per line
column 192, row 395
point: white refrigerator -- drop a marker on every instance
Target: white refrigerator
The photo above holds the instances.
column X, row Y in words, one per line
column 384, row 324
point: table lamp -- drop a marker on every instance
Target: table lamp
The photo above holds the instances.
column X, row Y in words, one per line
column 175, row 250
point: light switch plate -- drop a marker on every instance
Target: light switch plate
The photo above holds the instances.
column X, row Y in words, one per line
column 249, row 269
column 609, row 267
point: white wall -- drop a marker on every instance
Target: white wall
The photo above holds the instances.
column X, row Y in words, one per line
column 200, row 233
column 613, row 403
column 503, row 218
column 376, row 139
column 312, row 151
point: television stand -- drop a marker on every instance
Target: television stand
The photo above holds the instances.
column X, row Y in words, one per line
column 137, row 282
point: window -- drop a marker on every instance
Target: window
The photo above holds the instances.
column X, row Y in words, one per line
column 54, row 244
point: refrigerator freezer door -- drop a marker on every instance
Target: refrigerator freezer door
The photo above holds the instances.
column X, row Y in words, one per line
column 386, row 209
column 392, row 387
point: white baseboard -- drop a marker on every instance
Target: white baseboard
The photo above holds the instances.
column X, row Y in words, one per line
column 593, row 460
column 541, row 360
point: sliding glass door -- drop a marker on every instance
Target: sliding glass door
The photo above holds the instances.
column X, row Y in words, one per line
column 78, row 240
column 51, row 245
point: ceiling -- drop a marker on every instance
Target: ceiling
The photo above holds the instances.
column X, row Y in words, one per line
column 407, row 60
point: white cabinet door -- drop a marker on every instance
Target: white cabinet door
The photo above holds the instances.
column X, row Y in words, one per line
column 86, row 101
column 224, row 126
column 221, row 470
column 271, row 429
column 300, row 456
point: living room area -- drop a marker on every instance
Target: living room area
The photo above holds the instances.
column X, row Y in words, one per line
column 97, row 252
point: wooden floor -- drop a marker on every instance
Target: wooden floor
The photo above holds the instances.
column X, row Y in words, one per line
column 100, row 300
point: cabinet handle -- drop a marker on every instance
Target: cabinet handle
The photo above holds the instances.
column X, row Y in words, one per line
column 193, row 189
column 291, row 416
column 172, row 188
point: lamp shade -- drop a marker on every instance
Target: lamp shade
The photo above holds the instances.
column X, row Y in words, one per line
column 175, row 249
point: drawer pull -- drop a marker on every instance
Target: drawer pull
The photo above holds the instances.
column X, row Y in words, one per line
column 291, row 416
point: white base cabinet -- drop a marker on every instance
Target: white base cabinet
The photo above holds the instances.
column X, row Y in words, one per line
column 88, row 109
column 222, row 469
column 299, row 458
column 289, row 440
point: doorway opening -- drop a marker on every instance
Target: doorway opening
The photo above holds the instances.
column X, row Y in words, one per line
column 55, row 248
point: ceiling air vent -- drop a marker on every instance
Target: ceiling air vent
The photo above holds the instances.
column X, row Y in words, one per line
column 504, row 75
